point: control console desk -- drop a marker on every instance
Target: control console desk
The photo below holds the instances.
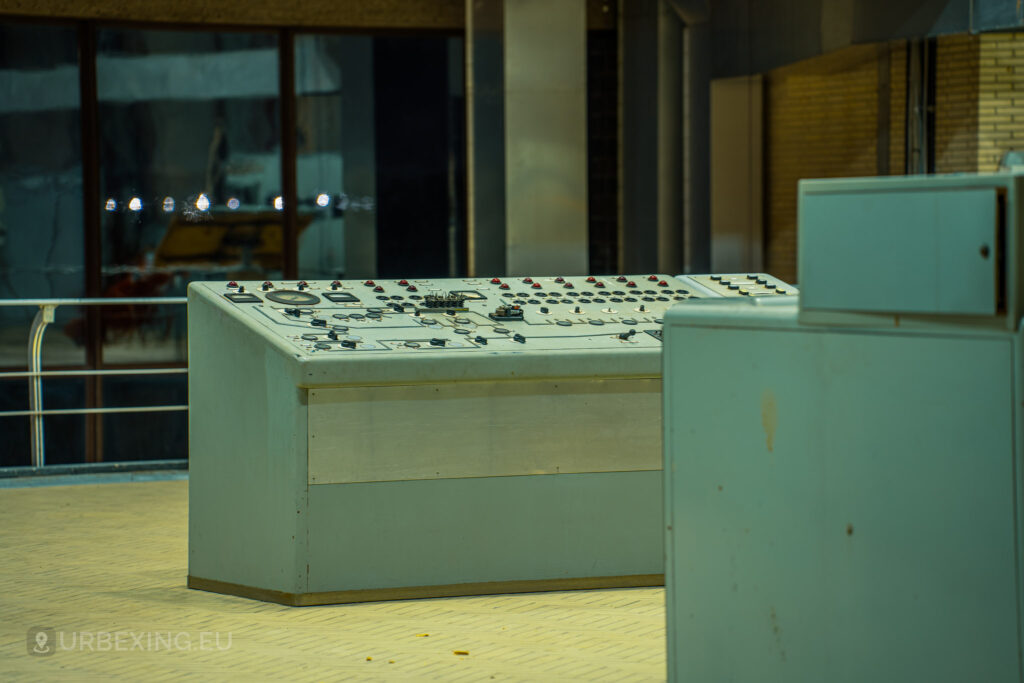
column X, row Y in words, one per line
column 368, row 440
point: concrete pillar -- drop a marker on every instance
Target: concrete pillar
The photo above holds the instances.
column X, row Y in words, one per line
column 526, row 113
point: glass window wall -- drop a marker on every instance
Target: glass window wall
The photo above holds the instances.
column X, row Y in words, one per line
column 187, row 166
column 190, row 174
column 41, row 226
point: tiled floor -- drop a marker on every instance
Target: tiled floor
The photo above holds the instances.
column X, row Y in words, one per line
column 104, row 567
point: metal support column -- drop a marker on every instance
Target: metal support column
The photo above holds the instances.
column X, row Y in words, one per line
column 527, row 136
column 920, row 154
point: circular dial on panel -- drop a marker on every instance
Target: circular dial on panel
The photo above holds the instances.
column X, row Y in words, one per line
column 290, row 296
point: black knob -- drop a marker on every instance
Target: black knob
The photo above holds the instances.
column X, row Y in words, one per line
column 480, row 340
column 348, row 343
column 332, row 335
column 437, row 342
column 543, row 309
column 318, row 322
column 627, row 335
column 293, row 311
column 519, row 338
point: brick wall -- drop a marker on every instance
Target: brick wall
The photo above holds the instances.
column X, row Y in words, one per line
column 956, row 104
column 822, row 120
column 1000, row 100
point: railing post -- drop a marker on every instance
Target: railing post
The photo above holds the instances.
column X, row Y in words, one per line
column 35, row 382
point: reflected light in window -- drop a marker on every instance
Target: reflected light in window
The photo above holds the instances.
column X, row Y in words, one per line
column 168, row 204
column 233, row 203
column 111, row 205
column 322, row 199
column 203, row 202
column 135, row 204
column 278, row 203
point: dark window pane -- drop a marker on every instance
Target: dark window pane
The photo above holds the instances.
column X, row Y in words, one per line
column 190, row 174
column 381, row 138
column 63, row 435
column 41, row 228
column 145, row 436
column 417, row 153
column 336, row 164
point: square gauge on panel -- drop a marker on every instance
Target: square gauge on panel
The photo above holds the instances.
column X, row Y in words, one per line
column 243, row 298
column 341, row 297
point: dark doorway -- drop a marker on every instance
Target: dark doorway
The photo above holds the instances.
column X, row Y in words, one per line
column 419, row 157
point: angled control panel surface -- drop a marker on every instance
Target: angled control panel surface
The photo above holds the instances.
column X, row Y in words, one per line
column 489, row 315
column 376, row 439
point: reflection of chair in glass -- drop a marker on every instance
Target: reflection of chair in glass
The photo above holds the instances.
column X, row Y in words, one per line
column 122, row 321
column 248, row 243
column 245, row 244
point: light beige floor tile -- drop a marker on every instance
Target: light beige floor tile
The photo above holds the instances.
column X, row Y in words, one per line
column 100, row 559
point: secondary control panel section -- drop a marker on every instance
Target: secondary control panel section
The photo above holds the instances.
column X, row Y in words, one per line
column 744, row 285
column 463, row 315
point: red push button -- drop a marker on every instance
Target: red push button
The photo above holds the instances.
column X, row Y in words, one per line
column 663, row 284
column 369, row 283
column 404, row 283
column 631, row 284
column 536, row 285
column 378, row 288
column 652, row 278
column 495, row 280
column 503, row 286
column 599, row 284
column 232, row 284
column 591, row 279
column 527, row 280
column 621, row 278
column 411, row 288
column 559, row 279
column 568, row 285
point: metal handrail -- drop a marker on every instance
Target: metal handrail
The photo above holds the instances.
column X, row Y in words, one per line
column 95, row 301
column 35, row 373
column 92, row 411
column 77, row 373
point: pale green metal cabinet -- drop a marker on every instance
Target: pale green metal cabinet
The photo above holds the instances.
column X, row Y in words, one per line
column 842, row 503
